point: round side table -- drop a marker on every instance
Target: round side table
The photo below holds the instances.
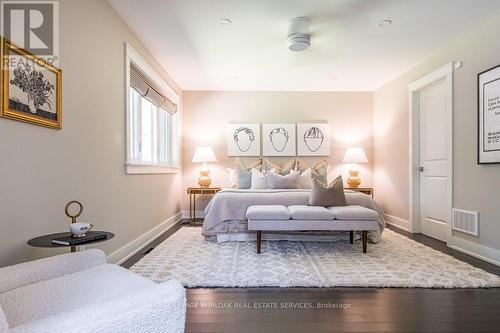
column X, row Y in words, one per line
column 46, row 240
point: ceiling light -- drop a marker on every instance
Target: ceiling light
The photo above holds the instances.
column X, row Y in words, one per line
column 225, row 21
column 385, row 23
column 298, row 36
column 233, row 77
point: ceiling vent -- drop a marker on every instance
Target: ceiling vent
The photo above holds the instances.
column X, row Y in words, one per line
column 298, row 37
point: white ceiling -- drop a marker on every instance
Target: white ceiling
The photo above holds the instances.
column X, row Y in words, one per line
column 349, row 50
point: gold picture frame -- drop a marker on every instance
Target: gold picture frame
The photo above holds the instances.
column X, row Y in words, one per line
column 31, row 88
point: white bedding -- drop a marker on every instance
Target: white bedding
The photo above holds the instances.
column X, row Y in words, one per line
column 225, row 213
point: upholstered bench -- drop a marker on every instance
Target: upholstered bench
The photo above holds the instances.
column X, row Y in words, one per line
column 311, row 218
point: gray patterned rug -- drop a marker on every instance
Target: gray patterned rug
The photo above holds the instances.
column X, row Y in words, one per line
column 396, row 261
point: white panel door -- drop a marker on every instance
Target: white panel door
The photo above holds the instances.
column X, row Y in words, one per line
column 433, row 169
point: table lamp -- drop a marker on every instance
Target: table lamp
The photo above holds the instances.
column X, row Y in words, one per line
column 354, row 155
column 204, row 155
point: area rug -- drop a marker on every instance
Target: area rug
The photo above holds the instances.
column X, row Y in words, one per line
column 396, row 261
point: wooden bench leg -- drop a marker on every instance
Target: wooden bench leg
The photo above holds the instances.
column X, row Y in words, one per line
column 259, row 240
column 365, row 240
column 351, row 237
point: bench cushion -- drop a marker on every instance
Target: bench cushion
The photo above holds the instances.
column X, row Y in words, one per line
column 354, row 213
column 268, row 212
column 303, row 212
column 311, row 225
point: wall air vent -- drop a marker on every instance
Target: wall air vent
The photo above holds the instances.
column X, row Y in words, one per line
column 465, row 221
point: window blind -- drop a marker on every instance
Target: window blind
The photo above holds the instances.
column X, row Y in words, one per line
column 150, row 91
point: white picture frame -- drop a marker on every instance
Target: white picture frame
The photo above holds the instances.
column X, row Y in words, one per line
column 279, row 139
column 313, row 139
column 488, row 85
column 243, row 140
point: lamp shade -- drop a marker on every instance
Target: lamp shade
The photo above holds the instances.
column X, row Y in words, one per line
column 203, row 155
column 355, row 155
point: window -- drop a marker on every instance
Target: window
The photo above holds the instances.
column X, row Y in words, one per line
column 152, row 122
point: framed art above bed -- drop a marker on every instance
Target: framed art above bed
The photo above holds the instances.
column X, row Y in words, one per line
column 313, row 139
column 243, row 140
column 278, row 139
column 488, row 87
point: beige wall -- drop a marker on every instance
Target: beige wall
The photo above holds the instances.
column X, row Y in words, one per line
column 206, row 115
column 42, row 169
column 475, row 186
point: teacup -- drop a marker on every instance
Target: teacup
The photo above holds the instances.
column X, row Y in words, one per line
column 80, row 229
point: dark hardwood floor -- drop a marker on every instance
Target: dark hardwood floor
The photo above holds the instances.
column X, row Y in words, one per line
column 344, row 309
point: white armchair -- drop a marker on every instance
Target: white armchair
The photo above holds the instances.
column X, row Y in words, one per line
column 80, row 292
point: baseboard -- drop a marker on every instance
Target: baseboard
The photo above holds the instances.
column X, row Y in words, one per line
column 199, row 214
column 397, row 222
column 479, row 251
column 125, row 252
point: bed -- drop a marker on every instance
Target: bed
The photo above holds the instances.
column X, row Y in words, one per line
column 225, row 214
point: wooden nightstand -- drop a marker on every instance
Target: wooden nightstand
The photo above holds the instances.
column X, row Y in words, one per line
column 193, row 191
column 365, row 190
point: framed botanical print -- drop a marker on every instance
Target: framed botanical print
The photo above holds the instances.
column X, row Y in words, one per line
column 489, row 116
column 30, row 89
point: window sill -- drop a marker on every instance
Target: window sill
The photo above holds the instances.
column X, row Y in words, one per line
column 132, row 169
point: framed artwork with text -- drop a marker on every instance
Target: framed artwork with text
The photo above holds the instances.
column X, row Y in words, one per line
column 489, row 116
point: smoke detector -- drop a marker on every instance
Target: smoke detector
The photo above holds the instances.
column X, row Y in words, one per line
column 298, row 36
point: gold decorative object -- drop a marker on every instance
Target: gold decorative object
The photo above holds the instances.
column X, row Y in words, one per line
column 204, row 180
column 354, row 155
column 73, row 217
column 204, row 155
column 31, row 87
column 353, row 180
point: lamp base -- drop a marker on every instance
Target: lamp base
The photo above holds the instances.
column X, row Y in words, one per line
column 353, row 181
column 204, row 180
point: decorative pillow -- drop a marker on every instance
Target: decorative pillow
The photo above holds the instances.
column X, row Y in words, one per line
column 232, row 177
column 327, row 196
column 244, row 180
column 277, row 181
column 282, row 170
column 243, row 173
column 259, row 180
column 289, row 166
column 319, row 171
column 305, row 178
column 257, row 164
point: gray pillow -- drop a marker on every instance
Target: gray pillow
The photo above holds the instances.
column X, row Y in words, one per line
column 275, row 180
column 318, row 171
column 327, row 196
column 244, row 180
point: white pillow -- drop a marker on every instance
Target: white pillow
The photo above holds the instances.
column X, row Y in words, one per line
column 259, row 180
column 277, row 181
column 232, row 178
column 305, row 178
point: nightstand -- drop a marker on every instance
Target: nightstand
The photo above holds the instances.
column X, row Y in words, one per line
column 193, row 191
column 365, row 190
column 46, row 240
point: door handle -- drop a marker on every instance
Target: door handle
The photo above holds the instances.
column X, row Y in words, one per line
column 421, row 169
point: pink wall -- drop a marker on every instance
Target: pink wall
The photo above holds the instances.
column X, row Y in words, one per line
column 206, row 114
